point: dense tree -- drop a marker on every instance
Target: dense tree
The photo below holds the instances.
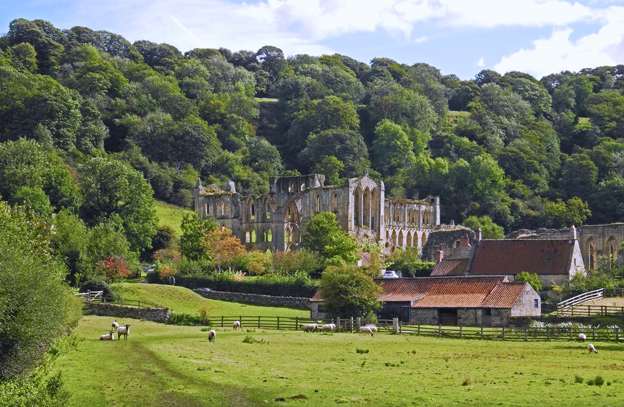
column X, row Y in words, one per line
column 348, row 291
column 323, row 234
column 35, row 305
column 392, row 148
column 113, row 192
column 346, row 145
column 193, row 239
column 489, row 229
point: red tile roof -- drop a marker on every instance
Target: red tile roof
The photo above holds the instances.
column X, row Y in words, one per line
column 500, row 257
column 459, row 292
column 450, row 267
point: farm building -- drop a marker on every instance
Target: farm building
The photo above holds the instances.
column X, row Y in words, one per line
column 466, row 301
column 553, row 260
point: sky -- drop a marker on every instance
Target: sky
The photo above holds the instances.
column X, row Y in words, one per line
column 460, row 37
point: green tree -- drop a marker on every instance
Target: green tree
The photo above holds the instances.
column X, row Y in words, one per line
column 346, row 145
column 113, row 191
column 564, row 214
column 489, row 229
column 323, row 234
column 36, row 306
column 331, row 167
column 349, row 291
column 193, row 239
column 392, row 148
column 531, row 278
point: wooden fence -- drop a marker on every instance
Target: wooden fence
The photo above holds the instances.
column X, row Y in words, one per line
column 514, row 333
column 570, row 303
column 590, row 310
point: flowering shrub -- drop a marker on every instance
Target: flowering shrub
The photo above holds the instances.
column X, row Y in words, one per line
column 113, row 269
column 166, row 271
column 167, row 255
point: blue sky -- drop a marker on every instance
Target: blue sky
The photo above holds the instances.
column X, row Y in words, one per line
column 459, row 37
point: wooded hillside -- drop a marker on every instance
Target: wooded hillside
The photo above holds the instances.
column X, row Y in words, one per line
column 525, row 152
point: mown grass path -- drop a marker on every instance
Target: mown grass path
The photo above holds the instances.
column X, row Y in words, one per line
column 162, row 365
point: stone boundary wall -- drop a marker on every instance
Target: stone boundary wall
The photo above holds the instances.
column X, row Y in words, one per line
column 256, row 299
column 119, row 311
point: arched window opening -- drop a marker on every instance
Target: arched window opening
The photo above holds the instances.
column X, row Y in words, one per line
column 317, row 204
column 423, row 240
column 252, row 212
column 409, row 239
column 247, row 237
column 592, row 257
column 401, row 239
column 367, row 208
column 335, row 203
column 253, row 236
column 357, row 213
column 268, row 211
column 269, row 236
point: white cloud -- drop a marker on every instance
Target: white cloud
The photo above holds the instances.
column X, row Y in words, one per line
column 558, row 52
column 481, row 62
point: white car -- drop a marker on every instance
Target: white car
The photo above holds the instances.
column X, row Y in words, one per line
column 390, row 274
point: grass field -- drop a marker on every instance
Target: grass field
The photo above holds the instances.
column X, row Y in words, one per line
column 170, row 215
column 163, row 365
column 185, row 301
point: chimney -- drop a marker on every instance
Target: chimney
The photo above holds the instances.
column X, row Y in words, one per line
column 573, row 232
column 465, row 241
column 439, row 254
column 457, row 243
column 478, row 234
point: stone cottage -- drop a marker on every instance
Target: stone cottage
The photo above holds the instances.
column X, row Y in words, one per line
column 274, row 221
column 465, row 301
column 553, row 260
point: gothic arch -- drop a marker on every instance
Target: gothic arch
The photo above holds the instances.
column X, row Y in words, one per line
column 251, row 210
column 591, row 254
column 335, row 203
column 612, row 248
column 409, row 241
column 357, row 205
column 401, row 238
column 373, row 209
column 366, row 204
column 423, row 240
column 317, row 203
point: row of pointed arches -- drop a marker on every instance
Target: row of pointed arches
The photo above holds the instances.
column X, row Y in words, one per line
column 405, row 238
column 593, row 251
column 365, row 204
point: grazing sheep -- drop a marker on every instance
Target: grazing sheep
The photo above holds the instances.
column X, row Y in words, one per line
column 372, row 327
column 110, row 336
column 328, row 327
column 115, row 326
column 309, row 327
column 591, row 348
column 123, row 330
column 367, row 330
column 236, row 325
column 582, row 337
column 211, row 335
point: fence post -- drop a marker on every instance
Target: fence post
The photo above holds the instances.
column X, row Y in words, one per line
column 617, row 333
column 439, row 330
column 337, row 324
column 525, row 332
column 481, row 331
column 460, row 332
column 395, row 325
column 351, row 324
column 278, row 322
column 258, row 321
column 221, row 321
column 503, row 333
column 359, row 322
column 419, row 328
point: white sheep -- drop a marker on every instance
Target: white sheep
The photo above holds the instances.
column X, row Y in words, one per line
column 211, row 335
column 328, row 327
column 236, row 325
column 123, row 330
column 591, row 348
column 110, row 336
column 582, row 337
column 366, row 329
column 309, row 327
column 372, row 327
column 115, row 326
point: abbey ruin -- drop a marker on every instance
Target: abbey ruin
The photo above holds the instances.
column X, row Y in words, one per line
column 274, row 221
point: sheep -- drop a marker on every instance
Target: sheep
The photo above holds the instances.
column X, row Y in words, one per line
column 372, row 327
column 123, row 330
column 236, row 325
column 115, row 326
column 110, row 336
column 591, row 348
column 367, row 330
column 582, row 337
column 328, row 327
column 211, row 335
column 309, row 327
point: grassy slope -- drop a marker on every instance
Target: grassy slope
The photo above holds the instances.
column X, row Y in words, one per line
column 162, row 365
column 184, row 301
column 170, row 215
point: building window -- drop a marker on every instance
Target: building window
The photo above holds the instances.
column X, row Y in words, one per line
column 268, row 211
column 535, row 303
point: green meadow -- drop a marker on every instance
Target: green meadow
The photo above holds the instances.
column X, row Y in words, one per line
column 165, row 365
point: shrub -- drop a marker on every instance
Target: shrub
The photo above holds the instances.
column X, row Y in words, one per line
column 167, row 256
column 189, row 320
column 598, row 381
column 578, row 379
column 166, row 271
column 255, row 263
column 306, row 261
column 97, row 284
column 113, row 269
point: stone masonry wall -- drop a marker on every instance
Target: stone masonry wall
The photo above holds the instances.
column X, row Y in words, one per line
column 119, row 311
column 256, row 299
